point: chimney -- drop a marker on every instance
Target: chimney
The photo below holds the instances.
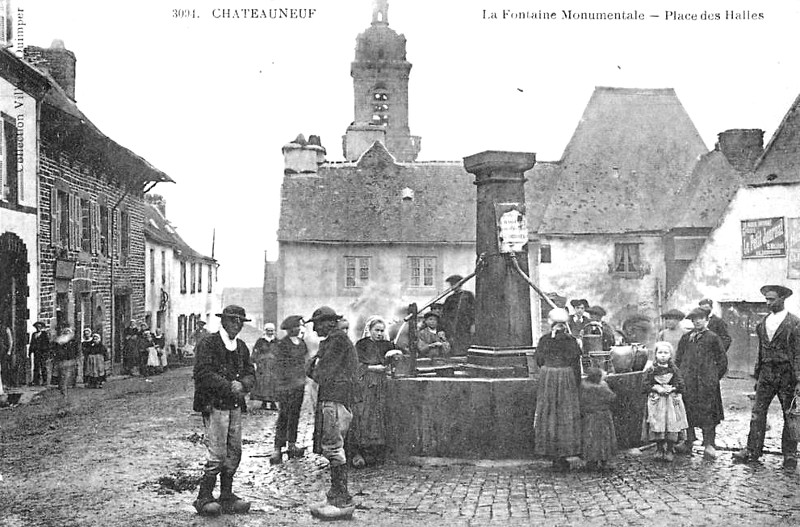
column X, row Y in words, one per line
column 741, row 148
column 360, row 137
column 158, row 201
column 301, row 156
column 57, row 61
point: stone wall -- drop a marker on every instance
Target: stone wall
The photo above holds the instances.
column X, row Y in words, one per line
column 92, row 270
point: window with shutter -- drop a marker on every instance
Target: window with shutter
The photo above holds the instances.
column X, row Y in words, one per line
column 117, row 242
column 95, row 236
column 74, row 222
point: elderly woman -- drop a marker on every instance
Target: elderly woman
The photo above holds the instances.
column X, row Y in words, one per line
column 96, row 357
column 367, row 441
column 557, row 423
column 263, row 356
column 290, row 374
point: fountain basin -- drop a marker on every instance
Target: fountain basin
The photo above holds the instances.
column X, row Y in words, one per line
column 483, row 418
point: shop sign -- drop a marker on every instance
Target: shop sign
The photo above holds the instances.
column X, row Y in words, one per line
column 763, row 238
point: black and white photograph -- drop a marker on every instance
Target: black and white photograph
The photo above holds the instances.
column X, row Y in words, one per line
column 399, row 262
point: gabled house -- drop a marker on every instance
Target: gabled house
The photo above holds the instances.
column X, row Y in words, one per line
column 618, row 189
column 181, row 286
column 91, row 210
column 755, row 241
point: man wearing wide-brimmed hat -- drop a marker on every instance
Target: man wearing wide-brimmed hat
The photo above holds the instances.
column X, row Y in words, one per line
column 40, row 349
column 223, row 374
column 777, row 372
column 334, row 369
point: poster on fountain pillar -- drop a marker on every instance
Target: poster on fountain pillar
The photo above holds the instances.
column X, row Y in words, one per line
column 512, row 228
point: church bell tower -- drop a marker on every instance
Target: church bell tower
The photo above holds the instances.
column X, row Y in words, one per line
column 380, row 74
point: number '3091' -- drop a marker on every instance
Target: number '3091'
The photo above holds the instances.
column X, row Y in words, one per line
column 183, row 13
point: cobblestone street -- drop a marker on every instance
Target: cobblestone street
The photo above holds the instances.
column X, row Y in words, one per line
column 110, row 456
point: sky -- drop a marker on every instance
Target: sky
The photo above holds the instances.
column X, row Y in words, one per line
column 211, row 101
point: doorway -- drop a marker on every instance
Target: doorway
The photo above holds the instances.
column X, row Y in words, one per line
column 14, row 291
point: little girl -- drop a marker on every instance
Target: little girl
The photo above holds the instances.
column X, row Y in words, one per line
column 665, row 416
column 598, row 437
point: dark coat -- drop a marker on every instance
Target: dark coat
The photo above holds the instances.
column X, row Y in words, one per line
column 40, row 344
column 720, row 327
column 783, row 348
column 703, row 363
column 458, row 316
column 215, row 368
column 290, row 362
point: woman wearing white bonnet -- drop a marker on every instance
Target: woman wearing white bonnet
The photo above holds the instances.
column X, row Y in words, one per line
column 557, row 425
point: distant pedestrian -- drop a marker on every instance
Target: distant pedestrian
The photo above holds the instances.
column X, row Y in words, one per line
column 557, row 423
column 86, row 339
column 96, row 357
column 665, row 413
column 130, row 352
column 223, row 375
column 458, row 317
column 334, row 369
column 40, row 350
column 598, row 436
column 265, row 353
column 148, row 355
column 702, row 361
column 290, row 373
column 672, row 331
column 199, row 333
column 716, row 324
column 777, row 372
column 65, row 353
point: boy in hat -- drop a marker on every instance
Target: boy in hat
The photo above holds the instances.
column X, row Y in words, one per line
column 223, row 375
column 334, row 369
column 672, row 331
column 702, row 361
column 777, row 372
column 579, row 318
column 39, row 350
column 716, row 324
column 431, row 341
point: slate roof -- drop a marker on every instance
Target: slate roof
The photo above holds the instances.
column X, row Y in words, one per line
column 781, row 156
column 632, row 151
column 61, row 118
column 363, row 201
column 158, row 230
column 708, row 192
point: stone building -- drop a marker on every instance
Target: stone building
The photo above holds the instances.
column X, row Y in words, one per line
column 756, row 240
column 181, row 286
column 91, row 211
column 608, row 221
column 21, row 90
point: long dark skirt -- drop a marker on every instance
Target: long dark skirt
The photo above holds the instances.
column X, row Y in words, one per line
column 369, row 422
column 599, row 436
column 557, row 425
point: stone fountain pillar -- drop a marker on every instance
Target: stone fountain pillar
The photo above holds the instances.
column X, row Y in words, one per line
column 503, row 309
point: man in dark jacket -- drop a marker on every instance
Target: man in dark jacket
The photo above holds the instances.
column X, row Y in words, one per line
column 777, row 372
column 334, row 369
column 716, row 324
column 458, row 317
column 39, row 350
column 223, row 374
